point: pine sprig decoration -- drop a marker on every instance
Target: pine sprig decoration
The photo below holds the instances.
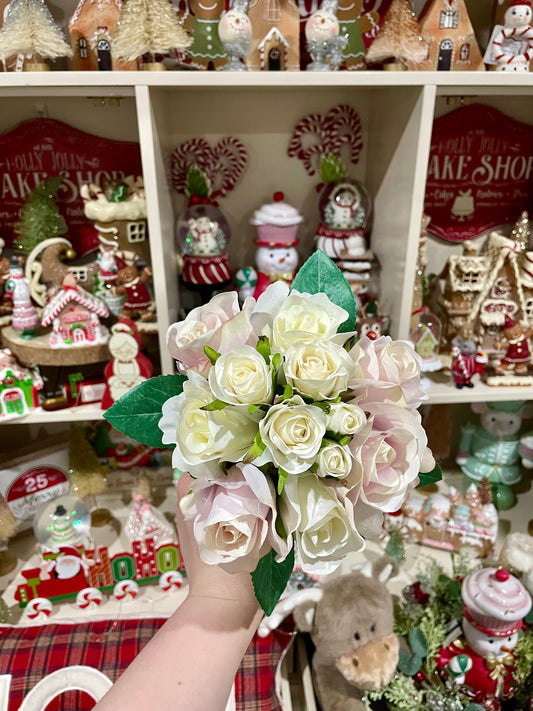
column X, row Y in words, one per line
column 523, row 654
column 40, row 217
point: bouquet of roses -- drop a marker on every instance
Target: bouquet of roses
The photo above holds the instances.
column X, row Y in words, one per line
column 297, row 439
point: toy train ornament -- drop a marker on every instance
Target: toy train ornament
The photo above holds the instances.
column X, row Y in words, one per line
column 70, row 571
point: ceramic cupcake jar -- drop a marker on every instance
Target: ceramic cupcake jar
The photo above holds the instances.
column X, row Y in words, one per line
column 276, row 257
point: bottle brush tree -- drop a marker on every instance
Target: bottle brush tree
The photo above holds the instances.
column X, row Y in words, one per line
column 40, row 217
column 398, row 39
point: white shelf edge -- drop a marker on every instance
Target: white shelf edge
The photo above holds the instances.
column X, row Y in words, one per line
column 68, row 414
column 76, row 80
column 446, row 393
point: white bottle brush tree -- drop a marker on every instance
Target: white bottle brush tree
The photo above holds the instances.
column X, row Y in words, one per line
column 148, row 27
column 30, row 34
column 398, row 39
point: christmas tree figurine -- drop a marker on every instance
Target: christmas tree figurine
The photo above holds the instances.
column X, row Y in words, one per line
column 147, row 28
column 144, row 520
column 398, row 44
column 30, row 34
column 87, row 475
column 40, row 217
column 521, row 232
column 8, row 525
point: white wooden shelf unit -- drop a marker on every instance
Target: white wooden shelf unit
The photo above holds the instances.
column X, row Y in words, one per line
column 161, row 110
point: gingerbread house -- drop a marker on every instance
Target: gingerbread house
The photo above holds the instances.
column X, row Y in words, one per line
column 276, row 35
column 75, row 317
column 492, row 285
column 119, row 218
column 91, row 27
column 452, row 44
column 19, row 386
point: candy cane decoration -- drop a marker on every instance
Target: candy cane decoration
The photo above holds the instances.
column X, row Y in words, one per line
column 126, row 590
column 171, row 580
column 38, row 608
column 89, row 597
column 197, row 151
column 524, row 34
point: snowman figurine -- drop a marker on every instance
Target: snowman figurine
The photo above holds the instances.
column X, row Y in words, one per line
column 494, row 605
column 511, row 46
column 276, row 256
column 235, row 33
column 325, row 44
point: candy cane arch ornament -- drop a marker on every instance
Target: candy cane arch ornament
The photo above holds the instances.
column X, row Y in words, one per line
column 512, row 46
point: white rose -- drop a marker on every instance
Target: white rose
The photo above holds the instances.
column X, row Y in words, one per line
column 292, row 433
column 205, row 439
column 321, row 520
column 242, row 377
column 235, row 519
column 288, row 318
column 334, row 460
column 319, row 370
column 345, row 418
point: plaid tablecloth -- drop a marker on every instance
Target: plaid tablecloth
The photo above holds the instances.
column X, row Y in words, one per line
column 30, row 653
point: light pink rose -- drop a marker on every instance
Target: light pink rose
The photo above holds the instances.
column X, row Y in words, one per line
column 387, row 462
column 386, row 371
column 235, row 519
column 219, row 324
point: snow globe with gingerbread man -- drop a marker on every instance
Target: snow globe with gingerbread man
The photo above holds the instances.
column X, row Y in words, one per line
column 495, row 604
column 276, row 258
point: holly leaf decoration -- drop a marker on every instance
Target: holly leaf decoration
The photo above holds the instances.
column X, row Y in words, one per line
column 270, row 579
column 320, row 274
column 409, row 664
column 417, row 642
column 430, row 477
column 331, row 168
column 137, row 413
column 197, row 183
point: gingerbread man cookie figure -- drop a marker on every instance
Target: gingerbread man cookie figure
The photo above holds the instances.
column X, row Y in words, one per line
column 138, row 303
column 511, row 45
column 206, row 50
column 517, row 355
column 353, row 26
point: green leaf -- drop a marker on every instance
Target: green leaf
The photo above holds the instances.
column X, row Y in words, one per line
column 430, row 477
column 197, row 183
column 331, row 168
column 320, row 275
column 418, row 643
column 137, row 413
column 409, row 664
column 282, row 478
column 256, row 450
column 211, row 354
column 263, row 348
column 288, row 392
column 215, row 405
column 341, row 439
column 270, row 579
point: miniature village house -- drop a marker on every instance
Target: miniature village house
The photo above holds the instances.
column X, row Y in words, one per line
column 482, row 289
column 452, row 44
column 90, row 28
column 276, row 35
column 19, row 386
column 119, row 217
column 75, row 317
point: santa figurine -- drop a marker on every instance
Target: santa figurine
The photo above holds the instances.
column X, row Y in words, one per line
column 511, row 46
column 128, row 366
column 494, row 605
column 276, row 256
column 17, row 292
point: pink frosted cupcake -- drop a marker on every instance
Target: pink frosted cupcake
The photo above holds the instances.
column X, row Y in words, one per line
column 277, row 223
column 494, row 601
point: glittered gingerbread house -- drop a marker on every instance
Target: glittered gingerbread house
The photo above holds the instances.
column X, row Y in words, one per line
column 452, row 44
column 91, row 28
column 276, row 35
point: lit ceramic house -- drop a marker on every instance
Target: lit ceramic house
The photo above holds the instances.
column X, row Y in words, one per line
column 276, row 36
column 119, row 216
column 452, row 44
column 75, row 315
column 19, row 386
column 91, row 27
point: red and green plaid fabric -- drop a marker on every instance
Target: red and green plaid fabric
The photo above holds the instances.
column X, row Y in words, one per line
column 30, row 653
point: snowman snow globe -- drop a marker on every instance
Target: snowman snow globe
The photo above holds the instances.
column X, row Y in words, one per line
column 276, row 257
column 494, row 606
column 345, row 209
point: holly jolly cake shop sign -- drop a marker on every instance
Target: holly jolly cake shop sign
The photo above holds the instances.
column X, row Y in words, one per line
column 480, row 173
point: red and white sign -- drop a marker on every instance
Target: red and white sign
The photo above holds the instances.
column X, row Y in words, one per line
column 480, row 172
column 43, row 148
column 34, row 487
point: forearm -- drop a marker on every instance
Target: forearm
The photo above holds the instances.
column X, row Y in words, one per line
column 191, row 662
